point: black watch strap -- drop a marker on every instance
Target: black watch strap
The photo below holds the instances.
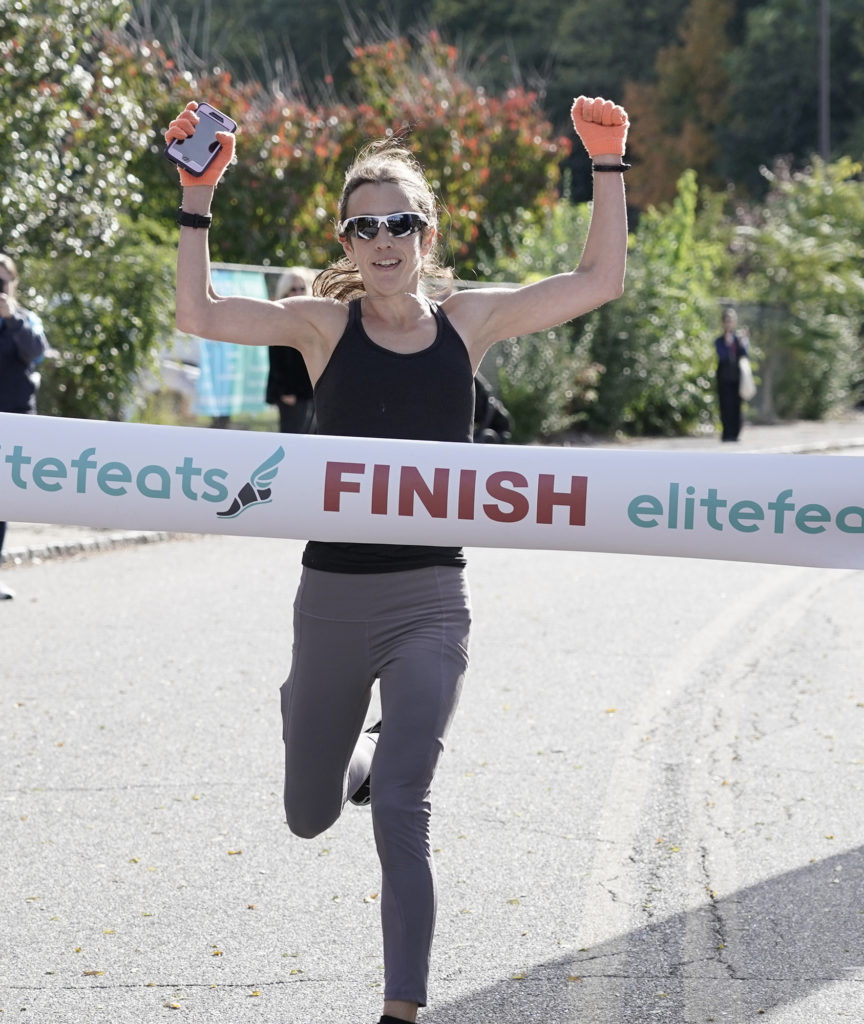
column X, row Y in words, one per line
column 611, row 167
column 193, row 220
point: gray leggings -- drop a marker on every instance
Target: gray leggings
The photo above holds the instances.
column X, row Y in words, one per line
column 410, row 630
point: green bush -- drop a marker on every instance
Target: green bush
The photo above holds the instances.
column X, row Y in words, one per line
column 104, row 315
column 546, row 380
column 798, row 260
column 654, row 343
column 642, row 364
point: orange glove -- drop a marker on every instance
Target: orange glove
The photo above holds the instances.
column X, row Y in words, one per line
column 182, row 127
column 600, row 124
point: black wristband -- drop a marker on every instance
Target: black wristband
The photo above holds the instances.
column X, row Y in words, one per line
column 622, row 167
column 193, row 220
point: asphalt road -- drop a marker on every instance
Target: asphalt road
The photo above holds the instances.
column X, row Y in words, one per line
column 650, row 809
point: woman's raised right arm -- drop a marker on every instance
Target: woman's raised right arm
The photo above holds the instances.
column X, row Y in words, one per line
column 200, row 310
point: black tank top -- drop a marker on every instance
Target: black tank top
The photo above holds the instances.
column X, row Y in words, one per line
column 367, row 390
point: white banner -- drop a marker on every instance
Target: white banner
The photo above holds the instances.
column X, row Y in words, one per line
column 784, row 509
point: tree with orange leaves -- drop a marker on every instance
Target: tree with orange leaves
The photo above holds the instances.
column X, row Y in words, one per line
column 679, row 113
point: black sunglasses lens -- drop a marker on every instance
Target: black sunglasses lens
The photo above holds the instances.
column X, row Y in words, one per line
column 366, row 227
column 402, row 224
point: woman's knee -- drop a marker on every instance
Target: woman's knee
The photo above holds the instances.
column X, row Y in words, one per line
column 310, row 809
column 308, row 822
column 400, row 820
column 302, row 828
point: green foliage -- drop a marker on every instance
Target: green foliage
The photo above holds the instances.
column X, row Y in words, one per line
column 72, row 119
column 652, row 343
column 68, row 127
column 774, row 87
column 545, row 380
column 645, row 363
column 540, row 379
column 104, row 315
column 601, row 44
column 801, row 256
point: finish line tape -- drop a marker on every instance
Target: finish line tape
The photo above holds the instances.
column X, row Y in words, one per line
column 783, row 509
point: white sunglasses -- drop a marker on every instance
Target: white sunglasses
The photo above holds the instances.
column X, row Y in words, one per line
column 399, row 225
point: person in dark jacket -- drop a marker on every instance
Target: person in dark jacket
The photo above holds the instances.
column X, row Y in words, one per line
column 731, row 345
column 288, row 384
column 22, row 346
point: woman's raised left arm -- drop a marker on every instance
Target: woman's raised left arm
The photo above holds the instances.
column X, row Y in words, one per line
column 485, row 316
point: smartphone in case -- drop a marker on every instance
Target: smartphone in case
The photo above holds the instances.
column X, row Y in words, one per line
column 196, row 153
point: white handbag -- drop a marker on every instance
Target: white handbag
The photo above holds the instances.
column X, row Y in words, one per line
column 746, row 384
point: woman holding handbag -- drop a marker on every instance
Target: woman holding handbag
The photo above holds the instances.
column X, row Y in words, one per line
column 732, row 346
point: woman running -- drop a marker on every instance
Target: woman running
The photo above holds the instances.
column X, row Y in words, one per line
column 386, row 361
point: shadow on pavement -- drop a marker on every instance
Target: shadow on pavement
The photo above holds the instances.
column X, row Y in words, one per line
column 769, row 945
